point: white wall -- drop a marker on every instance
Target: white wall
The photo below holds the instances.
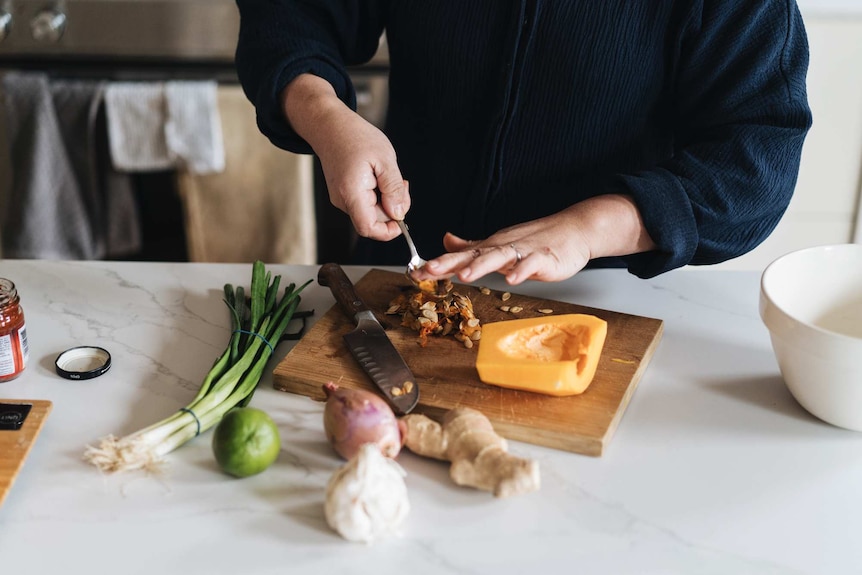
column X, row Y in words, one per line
column 829, row 7
column 825, row 205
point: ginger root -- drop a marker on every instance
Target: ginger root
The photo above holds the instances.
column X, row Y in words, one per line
column 478, row 455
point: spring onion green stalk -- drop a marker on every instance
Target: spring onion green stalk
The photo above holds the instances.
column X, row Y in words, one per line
column 231, row 381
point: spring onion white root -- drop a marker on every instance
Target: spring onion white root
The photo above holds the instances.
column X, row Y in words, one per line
column 256, row 329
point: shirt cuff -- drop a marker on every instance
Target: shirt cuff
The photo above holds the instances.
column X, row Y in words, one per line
column 270, row 116
column 668, row 217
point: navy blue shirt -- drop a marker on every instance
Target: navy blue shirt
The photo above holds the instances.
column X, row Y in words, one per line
column 506, row 111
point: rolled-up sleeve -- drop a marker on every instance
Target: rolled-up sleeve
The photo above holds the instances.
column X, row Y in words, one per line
column 741, row 118
column 281, row 39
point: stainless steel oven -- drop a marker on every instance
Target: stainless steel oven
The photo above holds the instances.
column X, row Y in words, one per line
column 202, row 32
column 119, row 40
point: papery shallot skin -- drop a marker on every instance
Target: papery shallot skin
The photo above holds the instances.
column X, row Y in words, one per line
column 353, row 417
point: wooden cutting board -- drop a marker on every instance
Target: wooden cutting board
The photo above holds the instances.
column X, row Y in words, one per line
column 15, row 444
column 447, row 376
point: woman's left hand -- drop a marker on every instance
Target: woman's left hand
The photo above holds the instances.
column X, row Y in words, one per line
column 549, row 249
column 532, row 250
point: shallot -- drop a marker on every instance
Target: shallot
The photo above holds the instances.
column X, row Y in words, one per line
column 354, row 417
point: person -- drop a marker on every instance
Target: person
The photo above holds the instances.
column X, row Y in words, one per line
column 534, row 137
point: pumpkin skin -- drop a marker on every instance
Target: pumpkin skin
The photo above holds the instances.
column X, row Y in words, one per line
column 555, row 355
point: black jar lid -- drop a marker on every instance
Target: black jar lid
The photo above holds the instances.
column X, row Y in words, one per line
column 83, row 362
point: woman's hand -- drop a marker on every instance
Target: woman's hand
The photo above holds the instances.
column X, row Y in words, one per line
column 358, row 160
column 553, row 248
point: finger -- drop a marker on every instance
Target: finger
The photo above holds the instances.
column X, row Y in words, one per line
column 394, row 192
column 445, row 265
column 380, row 214
column 453, row 243
column 360, row 206
column 530, row 267
column 381, row 231
column 460, row 254
column 367, row 217
column 498, row 259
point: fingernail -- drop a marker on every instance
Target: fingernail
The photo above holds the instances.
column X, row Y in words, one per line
column 398, row 211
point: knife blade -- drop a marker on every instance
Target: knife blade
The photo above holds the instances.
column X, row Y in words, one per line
column 370, row 345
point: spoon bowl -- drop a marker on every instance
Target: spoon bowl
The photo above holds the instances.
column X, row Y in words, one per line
column 435, row 288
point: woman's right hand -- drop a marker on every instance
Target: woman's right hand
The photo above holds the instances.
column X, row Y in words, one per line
column 358, row 160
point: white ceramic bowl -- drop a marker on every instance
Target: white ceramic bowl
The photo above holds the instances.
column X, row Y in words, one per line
column 811, row 302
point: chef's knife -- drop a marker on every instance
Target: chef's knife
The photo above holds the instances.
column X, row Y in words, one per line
column 370, row 345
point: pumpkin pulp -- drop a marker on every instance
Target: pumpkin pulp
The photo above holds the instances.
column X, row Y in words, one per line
column 554, row 355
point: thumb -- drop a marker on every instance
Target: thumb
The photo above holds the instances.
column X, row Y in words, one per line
column 453, row 243
column 394, row 196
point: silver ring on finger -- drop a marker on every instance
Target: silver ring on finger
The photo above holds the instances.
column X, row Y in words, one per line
column 518, row 256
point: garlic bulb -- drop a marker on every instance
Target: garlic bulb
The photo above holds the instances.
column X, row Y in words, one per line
column 367, row 498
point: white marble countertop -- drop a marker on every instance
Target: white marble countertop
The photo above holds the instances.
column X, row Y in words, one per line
column 714, row 469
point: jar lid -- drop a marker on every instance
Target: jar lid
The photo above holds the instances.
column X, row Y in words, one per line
column 7, row 291
column 83, row 362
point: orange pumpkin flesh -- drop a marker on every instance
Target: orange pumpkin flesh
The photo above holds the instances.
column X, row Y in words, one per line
column 554, row 355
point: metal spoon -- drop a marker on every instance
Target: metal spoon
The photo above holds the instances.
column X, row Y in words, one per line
column 416, row 260
column 434, row 288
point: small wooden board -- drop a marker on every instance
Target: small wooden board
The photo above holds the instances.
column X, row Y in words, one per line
column 15, row 444
column 447, row 376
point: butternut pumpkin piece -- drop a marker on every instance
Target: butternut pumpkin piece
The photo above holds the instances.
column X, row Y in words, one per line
column 555, row 355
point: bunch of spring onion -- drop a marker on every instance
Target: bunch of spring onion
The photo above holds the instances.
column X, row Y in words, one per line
column 258, row 322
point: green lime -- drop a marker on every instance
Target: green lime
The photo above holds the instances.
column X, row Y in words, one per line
column 246, row 441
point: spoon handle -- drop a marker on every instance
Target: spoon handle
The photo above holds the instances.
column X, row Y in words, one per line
column 413, row 253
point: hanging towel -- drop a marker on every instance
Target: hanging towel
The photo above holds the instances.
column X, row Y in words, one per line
column 193, row 129
column 57, row 206
column 260, row 207
column 162, row 125
column 122, row 220
column 136, row 126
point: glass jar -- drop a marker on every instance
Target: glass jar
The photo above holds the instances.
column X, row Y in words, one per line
column 14, row 350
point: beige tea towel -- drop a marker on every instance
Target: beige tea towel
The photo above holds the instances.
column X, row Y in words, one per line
column 260, row 207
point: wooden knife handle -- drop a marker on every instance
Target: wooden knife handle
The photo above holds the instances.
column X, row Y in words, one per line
column 333, row 277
